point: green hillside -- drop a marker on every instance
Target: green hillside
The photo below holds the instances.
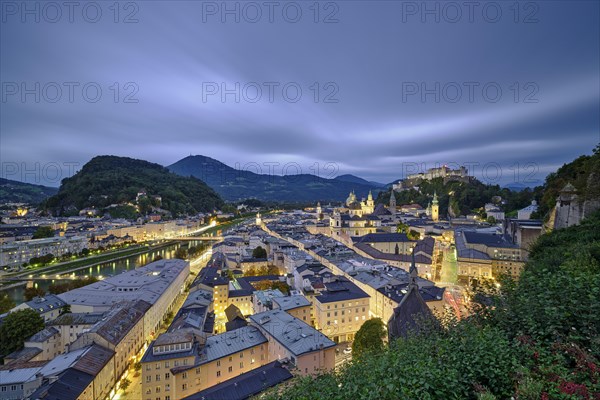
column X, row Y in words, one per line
column 20, row 192
column 464, row 196
column 583, row 173
column 108, row 180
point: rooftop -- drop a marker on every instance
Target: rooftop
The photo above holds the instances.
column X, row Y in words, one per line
column 47, row 303
column 222, row 345
column 487, row 239
column 291, row 302
column 246, row 385
column 381, row 238
column 146, row 283
column 340, row 290
column 295, row 335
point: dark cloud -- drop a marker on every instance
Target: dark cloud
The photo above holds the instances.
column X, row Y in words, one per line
column 361, row 64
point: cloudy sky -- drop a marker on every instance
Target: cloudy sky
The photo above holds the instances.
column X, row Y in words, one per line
column 373, row 88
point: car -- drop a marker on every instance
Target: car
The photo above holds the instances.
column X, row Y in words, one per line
column 348, row 350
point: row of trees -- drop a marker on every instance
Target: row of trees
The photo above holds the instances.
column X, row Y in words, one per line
column 262, row 271
column 49, row 258
column 271, row 285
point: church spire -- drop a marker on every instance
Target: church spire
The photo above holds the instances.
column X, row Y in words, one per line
column 435, row 199
column 413, row 273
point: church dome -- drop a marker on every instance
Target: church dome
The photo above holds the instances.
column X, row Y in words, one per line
column 354, row 205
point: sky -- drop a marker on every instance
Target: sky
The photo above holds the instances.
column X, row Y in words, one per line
column 377, row 89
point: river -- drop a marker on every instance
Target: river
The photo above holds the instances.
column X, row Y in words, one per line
column 110, row 268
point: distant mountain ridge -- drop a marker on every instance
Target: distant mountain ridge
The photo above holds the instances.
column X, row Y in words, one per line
column 355, row 179
column 110, row 180
column 233, row 184
column 21, row 192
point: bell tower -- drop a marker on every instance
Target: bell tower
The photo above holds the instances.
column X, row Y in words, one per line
column 435, row 208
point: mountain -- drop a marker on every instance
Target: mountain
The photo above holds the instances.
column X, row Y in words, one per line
column 518, row 186
column 109, row 180
column 355, row 179
column 20, row 192
column 234, row 184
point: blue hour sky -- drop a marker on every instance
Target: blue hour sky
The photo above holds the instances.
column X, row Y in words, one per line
column 372, row 88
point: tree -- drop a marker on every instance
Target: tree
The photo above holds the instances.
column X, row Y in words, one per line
column 181, row 253
column 65, row 309
column 43, row 232
column 124, row 384
column 402, row 228
column 259, row 252
column 413, row 235
column 6, row 303
column 369, row 338
column 491, row 220
column 17, row 327
column 32, row 292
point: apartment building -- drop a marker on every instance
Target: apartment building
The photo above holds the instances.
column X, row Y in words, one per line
column 176, row 365
column 341, row 309
column 306, row 350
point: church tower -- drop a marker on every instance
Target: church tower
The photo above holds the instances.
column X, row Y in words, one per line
column 370, row 204
column 393, row 206
column 435, row 208
column 258, row 219
column 319, row 211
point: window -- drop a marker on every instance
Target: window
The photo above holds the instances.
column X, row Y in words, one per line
column 241, row 355
column 157, row 365
column 184, row 375
column 197, row 370
column 158, row 389
column 218, row 373
column 167, row 387
column 230, row 369
column 167, row 375
column 242, row 365
column 167, row 397
column 157, row 377
column 230, row 359
column 219, row 363
column 167, row 364
column 148, row 379
column 148, row 368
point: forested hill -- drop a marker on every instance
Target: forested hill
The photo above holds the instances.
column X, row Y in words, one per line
column 110, row 180
column 463, row 197
column 20, row 192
